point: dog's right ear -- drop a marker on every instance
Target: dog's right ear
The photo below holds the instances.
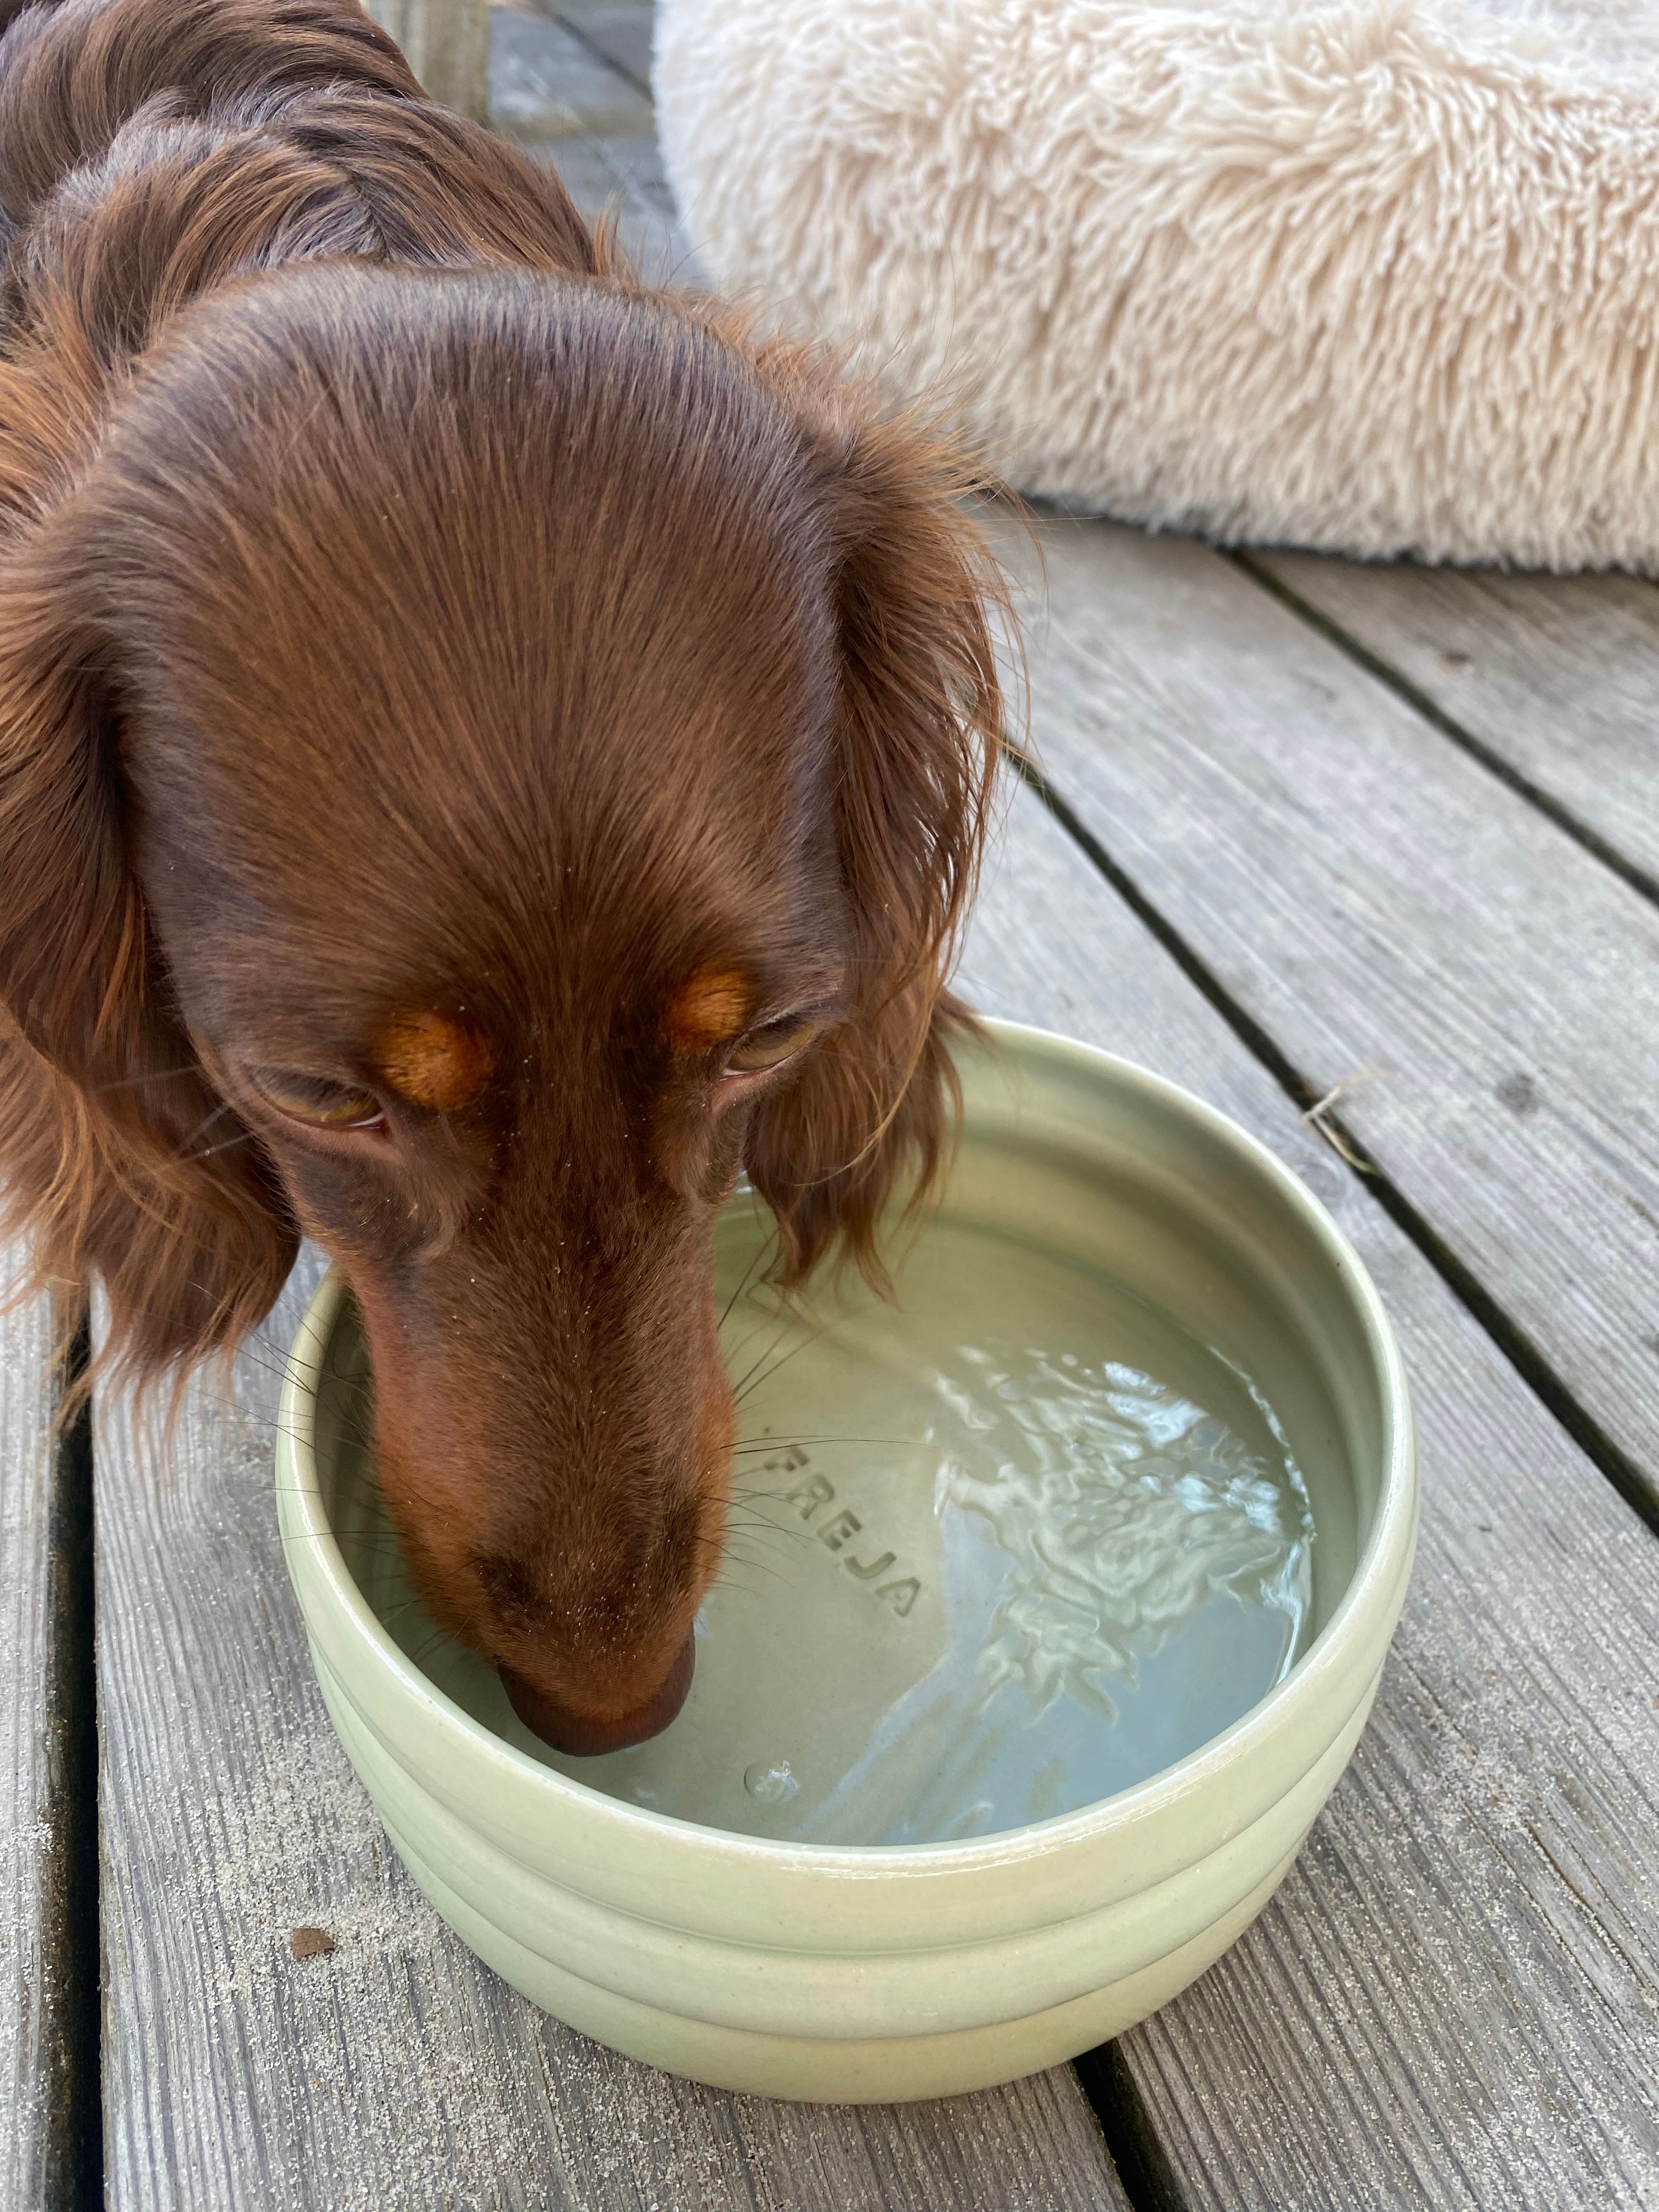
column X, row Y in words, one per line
column 119, row 1159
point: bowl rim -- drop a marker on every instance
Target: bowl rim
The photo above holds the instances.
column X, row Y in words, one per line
column 1377, row 1581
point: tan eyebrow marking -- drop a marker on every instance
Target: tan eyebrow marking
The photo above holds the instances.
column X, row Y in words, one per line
column 709, row 1008
column 435, row 1060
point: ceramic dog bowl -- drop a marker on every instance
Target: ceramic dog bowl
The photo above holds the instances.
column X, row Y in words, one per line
column 1057, row 1598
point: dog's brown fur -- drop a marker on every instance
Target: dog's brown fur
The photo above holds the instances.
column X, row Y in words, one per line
column 439, row 673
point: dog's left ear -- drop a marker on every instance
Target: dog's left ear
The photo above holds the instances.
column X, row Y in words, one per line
column 118, row 1157
column 870, row 1117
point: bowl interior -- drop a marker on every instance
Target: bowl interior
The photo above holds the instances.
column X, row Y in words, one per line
column 1053, row 1519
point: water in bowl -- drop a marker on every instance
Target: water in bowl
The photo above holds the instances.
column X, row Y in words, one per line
column 981, row 1571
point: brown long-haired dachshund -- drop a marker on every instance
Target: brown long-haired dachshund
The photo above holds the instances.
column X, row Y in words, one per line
column 487, row 753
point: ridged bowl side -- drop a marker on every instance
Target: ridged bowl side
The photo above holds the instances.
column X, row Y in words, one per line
column 841, row 1973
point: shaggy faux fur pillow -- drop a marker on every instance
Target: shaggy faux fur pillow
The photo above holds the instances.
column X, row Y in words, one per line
column 1380, row 274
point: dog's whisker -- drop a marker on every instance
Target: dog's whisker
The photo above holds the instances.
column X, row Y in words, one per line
column 758, row 1256
column 228, row 1146
column 149, row 1075
column 753, row 1382
column 795, row 1443
column 739, row 1390
column 207, row 1122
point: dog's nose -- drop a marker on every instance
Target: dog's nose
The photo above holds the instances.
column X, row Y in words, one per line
column 584, row 1735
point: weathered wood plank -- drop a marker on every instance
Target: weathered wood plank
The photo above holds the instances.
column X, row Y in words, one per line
column 395, row 2072
column 622, row 177
column 1454, row 1999
column 1384, row 907
column 621, row 29
column 1556, row 676
column 547, row 83
column 29, row 2058
column 554, row 93
column 447, row 43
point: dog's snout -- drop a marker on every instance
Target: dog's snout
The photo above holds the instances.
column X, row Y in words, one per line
column 565, row 1536
column 583, row 1734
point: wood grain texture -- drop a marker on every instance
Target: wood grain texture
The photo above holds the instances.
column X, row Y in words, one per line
column 546, row 83
column 556, row 92
column 396, row 2071
column 446, row 44
column 621, row 179
column 621, row 29
column 1382, row 907
column 1452, row 2001
column 1556, row 676
column 27, row 1871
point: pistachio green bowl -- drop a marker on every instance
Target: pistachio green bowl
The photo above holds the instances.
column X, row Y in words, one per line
column 798, row 1963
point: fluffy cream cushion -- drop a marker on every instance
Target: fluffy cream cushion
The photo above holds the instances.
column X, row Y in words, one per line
column 1380, row 274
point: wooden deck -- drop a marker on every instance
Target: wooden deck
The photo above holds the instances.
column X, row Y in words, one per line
column 1298, row 831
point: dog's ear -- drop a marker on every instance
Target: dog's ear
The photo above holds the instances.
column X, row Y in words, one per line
column 118, row 1160
column 872, row 1115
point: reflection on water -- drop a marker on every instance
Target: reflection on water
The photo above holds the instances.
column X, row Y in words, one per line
column 1108, row 1546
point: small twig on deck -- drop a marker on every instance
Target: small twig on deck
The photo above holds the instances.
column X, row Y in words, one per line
column 1333, row 1134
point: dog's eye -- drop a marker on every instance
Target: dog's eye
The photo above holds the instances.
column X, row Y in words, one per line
column 315, row 1100
column 769, row 1046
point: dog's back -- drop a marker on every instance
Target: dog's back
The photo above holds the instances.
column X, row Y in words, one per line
column 152, row 150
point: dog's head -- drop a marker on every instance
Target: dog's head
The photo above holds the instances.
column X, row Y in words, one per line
column 486, row 758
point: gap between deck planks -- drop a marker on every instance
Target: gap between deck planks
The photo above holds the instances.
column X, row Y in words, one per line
column 396, row 2073
column 1383, row 909
column 51, row 2151
column 1554, row 679
column 1454, row 1999
column 621, row 30
column 31, row 2057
